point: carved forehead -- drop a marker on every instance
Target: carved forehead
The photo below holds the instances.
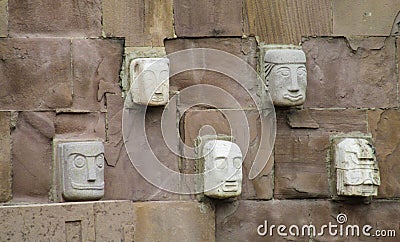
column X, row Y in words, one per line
column 152, row 63
column 350, row 144
column 284, row 56
column 221, row 147
column 92, row 148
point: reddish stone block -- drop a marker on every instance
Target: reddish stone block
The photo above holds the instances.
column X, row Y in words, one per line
column 301, row 153
column 70, row 18
column 122, row 179
column 5, row 157
column 208, row 18
column 230, row 122
column 44, row 64
column 223, row 91
column 96, row 64
column 341, row 77
column 80, row 126
column 386, row 135
column 32, row 156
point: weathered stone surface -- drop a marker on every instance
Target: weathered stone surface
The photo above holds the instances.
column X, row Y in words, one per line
column 178, row 221
column 122, row 180
column 35, row 73
column 108, row 221
column 285, row 22
column 32, row 156
column 229, row 122
column 5, row 157
column 366, row 17
column 68, row 18
column 208, row 18
column 384, row 128
column 111, row 218
column 239, row 221
column 48, row 222
column 345, row 78
column 3, row 18
column 242, row 82
column 301, row 119
column 94, row 61
column 141, row 22
column 80, row 125
column 301, row 154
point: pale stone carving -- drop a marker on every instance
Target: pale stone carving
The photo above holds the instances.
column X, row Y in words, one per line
column 222, row 176
column 357, row 171
column 285, row 74
column 149, row 81
column 82, row 170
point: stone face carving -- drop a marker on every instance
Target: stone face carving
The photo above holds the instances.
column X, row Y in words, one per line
column 82, row 170
column 222, row 168
column 149, row 81
column 285, row 74
column 357, row 172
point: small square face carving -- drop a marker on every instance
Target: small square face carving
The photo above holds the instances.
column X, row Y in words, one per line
column 149, row 81
column 285, row 74
column 222, row 169
column 82, row 170
column 357, row 171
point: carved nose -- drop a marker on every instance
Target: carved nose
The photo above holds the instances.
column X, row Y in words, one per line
column 294, row 85
column 91, row 176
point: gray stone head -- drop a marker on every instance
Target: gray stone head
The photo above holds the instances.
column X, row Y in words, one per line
column 356, row 168
column 222, row 169
column 82, row 165
column 286, row 76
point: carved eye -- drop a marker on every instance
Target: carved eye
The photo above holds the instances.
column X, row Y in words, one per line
column 221, row 163
column 100, row 160
column 237, row 162
column 163, row 76
column 284, row 72
column 79, row 161
column 149, row 75
column 301, row 71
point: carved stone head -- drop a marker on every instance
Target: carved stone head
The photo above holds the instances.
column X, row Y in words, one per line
column 222, row 169
column 82, row 170
column 357, row 171
column 150, row 81
column 286, row 75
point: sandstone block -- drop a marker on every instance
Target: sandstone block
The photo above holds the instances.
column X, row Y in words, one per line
column 5, row 157
column 68, row 18
column 3, row 18
column 80, row 125
column 341, row 77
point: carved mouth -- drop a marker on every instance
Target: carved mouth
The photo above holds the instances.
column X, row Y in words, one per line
column 157, row 98
column 230, row 186
column 293, row 98
column 87, row 187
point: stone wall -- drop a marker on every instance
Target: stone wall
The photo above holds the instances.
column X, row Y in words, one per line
column 60, row 66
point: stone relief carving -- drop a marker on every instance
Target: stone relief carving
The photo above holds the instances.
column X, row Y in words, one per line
column 82, row 170
column 222, row 177
column 357, row 172
column 149, row 81
column 285, row 74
